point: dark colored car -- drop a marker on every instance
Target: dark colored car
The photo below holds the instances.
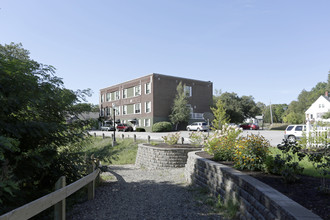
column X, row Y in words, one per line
column 124, row 127
column 249, row 126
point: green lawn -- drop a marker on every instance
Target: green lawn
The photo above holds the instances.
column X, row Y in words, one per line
column 123, row 153
column 309, row 169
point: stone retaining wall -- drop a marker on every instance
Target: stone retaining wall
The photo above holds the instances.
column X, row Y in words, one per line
column 256, row 199
column 151, row 157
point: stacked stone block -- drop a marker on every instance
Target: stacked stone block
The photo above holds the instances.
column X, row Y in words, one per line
column 256, row 199
column 152, row 157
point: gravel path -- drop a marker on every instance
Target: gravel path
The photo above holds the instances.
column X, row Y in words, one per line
column 144, row 194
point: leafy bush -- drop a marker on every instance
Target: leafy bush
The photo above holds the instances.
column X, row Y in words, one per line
column 140, row 130
column 221, row 144
column 197, row 138
column 251, row 152
column 172, row 139
column 286, row 164
column 163, row 126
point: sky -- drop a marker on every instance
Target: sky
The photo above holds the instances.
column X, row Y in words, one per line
column 270, row 50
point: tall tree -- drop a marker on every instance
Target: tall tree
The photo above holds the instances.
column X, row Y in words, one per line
column 220, row 115
column 295, row 113
column 180, row 110
column 238, row 108
column 33, row 108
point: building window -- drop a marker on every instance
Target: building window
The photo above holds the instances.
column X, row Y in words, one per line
column 188, row 91
column 107, row 111
column 108, row 98
column 148, row 88
column 147, row 122
column 102, row 99
column 137, row 108
column 124, row 109
column 117, row 110
column 117, row 95
column 124, row 93
column 137, row 90
column 148, row 107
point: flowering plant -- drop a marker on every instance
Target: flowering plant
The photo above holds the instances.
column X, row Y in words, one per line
column 251, row 152
column 172, row 139
column 197, row 138
column 222, row 143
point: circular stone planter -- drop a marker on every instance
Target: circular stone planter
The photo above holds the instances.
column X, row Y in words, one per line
column 162, row 157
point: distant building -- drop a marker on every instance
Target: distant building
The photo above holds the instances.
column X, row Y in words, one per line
column 148, row 100
column 318, row 109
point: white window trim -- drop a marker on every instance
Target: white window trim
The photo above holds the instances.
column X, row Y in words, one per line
column 124, row 93
column 145, row 120
column 136, row 91
column 139, row 108
column 145, row 88
column 124, row 109
column 145, row 107
column 190, row 90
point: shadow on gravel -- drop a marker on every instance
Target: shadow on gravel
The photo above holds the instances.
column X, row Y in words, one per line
column 145, row 199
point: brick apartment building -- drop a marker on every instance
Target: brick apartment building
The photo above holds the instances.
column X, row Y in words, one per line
column 148, row 99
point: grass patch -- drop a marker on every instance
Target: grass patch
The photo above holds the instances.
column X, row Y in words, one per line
column 309, row 169
column 123, row 153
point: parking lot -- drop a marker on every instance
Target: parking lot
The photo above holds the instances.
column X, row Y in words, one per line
column 274, row 137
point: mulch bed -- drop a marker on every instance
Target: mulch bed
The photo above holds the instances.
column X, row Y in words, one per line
column 304, row 191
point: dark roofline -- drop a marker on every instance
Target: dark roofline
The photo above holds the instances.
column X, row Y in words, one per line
column 153, row 74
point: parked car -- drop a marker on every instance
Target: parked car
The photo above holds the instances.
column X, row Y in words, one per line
column 249, row 126
column 107, row 126
column 124, row 127
column 198, row 126
column 294, row 132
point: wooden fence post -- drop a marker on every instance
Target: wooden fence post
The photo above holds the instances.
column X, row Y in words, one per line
column 94, row 134
column 91, row 185
column 134, row 137
column 59, row 208
column 122, row 136
column 148, row 139
column 103, row 135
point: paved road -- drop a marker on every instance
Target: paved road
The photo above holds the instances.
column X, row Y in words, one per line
column 274, row 137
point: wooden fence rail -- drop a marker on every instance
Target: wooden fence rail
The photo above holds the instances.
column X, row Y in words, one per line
column 35, row 207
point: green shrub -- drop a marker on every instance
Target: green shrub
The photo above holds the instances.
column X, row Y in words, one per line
column 172, row 139
column 197, row 138
column 163, row 126
column 221, row 144
column 140, row 130
column 251, row 152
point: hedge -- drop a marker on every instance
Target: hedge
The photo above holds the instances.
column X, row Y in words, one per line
column 162, row 126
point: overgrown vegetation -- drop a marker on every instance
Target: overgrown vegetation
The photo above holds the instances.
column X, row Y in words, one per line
column 172, row 139
column 222, row 142
column 38, row 145
column 197, row 138
column 254, row 153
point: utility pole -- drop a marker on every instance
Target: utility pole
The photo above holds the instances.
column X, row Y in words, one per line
column 271, row 113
